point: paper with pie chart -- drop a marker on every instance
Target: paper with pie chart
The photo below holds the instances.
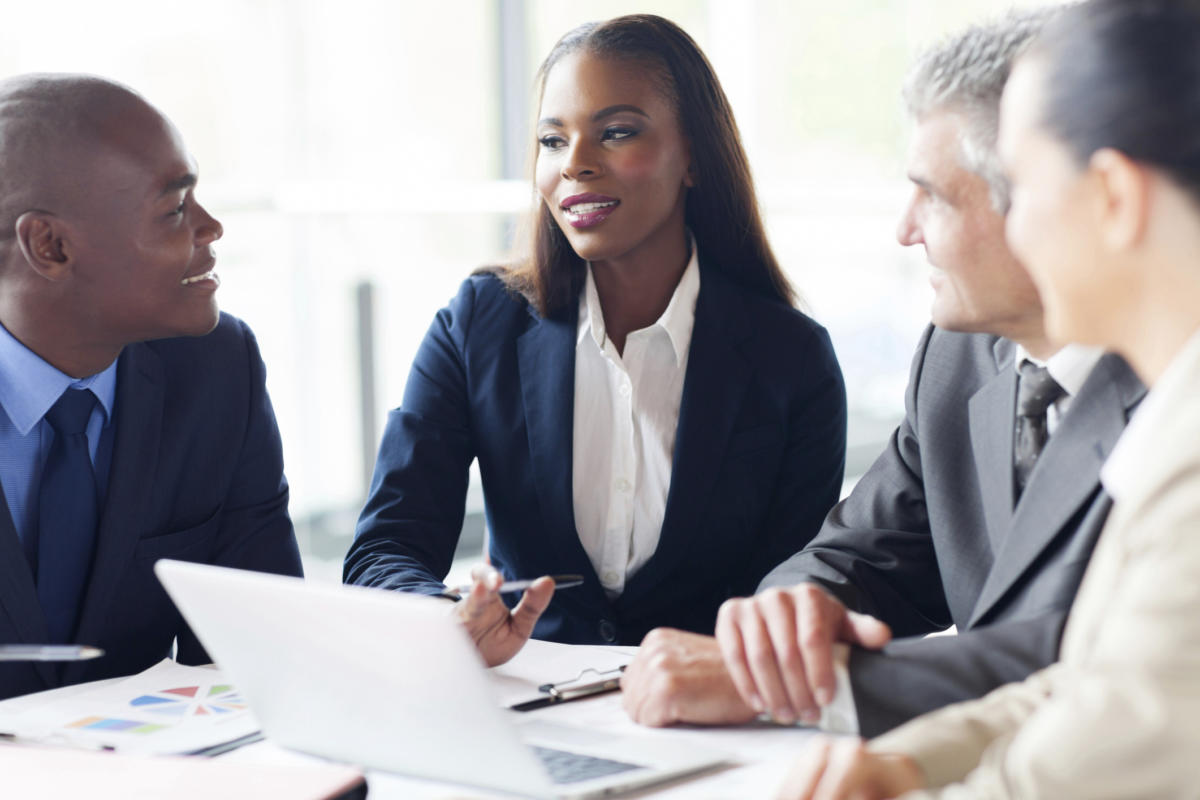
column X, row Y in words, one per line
column 169, row 708
column 199, row 700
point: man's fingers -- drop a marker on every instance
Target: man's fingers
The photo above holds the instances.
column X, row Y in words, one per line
column 631, row 694
column 865, row 631
column 816, row 650
column 733, row 651
column 641, row 697
column 641, row 701
column 778, row 612
column 764, row 665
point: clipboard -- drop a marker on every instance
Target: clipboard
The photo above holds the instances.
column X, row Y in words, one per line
column 566, row 691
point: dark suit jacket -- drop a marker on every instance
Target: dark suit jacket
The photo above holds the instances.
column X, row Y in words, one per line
column 196, row 475
column 758, row 459
column 929, row 536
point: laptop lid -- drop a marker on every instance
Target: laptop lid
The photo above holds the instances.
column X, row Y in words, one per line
column 379, row 678
column 361, row 675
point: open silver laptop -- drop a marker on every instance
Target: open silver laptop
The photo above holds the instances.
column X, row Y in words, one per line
column 389, row 680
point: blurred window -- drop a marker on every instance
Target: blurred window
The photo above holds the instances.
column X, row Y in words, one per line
column 383, row 143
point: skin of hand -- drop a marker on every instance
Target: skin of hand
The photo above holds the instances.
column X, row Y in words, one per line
column 778, row 648
column 498, row 632
column 841, row 768
column 678, row 676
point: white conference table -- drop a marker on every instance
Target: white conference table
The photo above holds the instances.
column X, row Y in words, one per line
column 759, row 754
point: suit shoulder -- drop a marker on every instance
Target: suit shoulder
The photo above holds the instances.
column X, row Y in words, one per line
column 769, row 333
column 488, row 288
column 773, row 318
column 230, row 331
column 949, row 367
column 227, row 346
column 485, row 303
column 951, row 351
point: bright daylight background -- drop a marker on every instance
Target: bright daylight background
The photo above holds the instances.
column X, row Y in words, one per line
column 366, row 155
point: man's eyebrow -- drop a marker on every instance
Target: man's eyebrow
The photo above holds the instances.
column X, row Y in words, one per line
column 922, row 182
column 182, row 182
column 919, row 181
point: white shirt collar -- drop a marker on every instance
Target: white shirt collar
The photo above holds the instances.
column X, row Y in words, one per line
column 677, row 320
column 1070, row 366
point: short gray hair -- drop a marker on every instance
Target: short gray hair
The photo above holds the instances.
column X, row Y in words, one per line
column 965, row 74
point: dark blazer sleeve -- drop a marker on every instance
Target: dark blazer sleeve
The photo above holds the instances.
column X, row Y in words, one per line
column 810, row 476
column 255, row 531
column 411, row 522
column 875, row 550
column 910, row 677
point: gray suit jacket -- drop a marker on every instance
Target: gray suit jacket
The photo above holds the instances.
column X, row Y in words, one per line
column 929, row 537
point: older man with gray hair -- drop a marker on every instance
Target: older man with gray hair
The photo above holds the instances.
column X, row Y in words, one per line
column 982, row 511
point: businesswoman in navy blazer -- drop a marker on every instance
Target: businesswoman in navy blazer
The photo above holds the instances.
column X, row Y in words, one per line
column 647, row 407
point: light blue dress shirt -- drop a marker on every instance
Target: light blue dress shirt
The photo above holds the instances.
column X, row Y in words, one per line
column 28, row 388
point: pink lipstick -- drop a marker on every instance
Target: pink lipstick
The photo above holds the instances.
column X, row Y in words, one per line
column 588, row 210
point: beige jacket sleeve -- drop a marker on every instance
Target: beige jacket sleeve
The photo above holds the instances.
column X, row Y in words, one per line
column 1120, row 715
column 949, row 743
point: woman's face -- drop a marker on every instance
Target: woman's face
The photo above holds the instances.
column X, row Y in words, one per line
column 612, row 163
column 1052, row 227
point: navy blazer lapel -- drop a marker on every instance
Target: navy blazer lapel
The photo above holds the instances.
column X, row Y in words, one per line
column 18, row 593
column 546, row 360
column 992, row 411
column 138, row 416
column 716, row 381
column 1066, row 473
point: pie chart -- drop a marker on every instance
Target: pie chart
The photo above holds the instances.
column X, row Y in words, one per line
column 191, row 701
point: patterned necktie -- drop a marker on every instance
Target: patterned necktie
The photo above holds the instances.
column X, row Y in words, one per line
column 1036, row 392
column 68, row 514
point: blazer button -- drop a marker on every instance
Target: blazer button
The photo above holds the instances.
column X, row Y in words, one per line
column 608, row 631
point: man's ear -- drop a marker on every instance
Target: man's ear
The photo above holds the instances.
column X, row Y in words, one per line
column 43, row 240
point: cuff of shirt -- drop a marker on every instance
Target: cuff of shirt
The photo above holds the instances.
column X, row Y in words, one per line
column 841, row 715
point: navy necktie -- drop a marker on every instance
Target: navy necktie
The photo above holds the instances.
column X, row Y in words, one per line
column 1036, row 392
column 67, row 514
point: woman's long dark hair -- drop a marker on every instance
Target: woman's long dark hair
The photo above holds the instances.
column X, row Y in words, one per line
column 721, row 208
column 1126, row 74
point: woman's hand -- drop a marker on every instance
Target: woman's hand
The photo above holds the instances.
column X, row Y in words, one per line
column 497, row 632
column 841, row 768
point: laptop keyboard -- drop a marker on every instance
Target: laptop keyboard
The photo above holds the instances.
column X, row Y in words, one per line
column 567, row 767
